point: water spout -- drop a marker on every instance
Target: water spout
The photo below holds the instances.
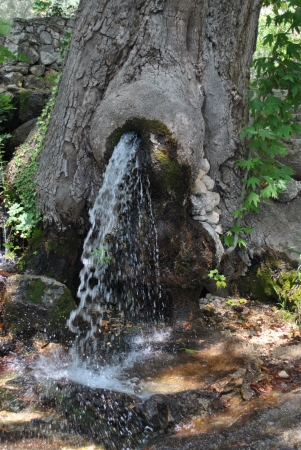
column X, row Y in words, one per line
column 120, row 274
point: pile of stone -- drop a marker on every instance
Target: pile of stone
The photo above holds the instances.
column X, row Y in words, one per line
column 204, row 201
column 41, row 41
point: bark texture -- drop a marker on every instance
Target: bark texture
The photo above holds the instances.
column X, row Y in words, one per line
column 183, row 63
column 176, row 72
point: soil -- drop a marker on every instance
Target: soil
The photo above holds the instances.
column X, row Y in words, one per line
column 228, row 378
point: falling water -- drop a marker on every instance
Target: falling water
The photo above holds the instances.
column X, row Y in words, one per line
column 120, row 273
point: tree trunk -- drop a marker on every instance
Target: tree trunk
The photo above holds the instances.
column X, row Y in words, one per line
column 185, row 65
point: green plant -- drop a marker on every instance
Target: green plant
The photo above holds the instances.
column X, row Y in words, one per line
column 100, row 256
column 59, row 8
column 220, row 280
column 234, row 302
column 22, row 209
column 272, row 114
column 65, row 44
column 5, row 26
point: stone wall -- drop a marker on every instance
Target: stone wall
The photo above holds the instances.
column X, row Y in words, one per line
column 29, row 83
column 41, row 40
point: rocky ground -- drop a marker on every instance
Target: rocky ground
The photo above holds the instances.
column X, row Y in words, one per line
column 228, row 378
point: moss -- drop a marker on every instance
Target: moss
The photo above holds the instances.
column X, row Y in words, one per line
column 172, row 176
column 35, row 241
column 64, row 248
column 143, row 127
column 64, row 305
column 35, row 291
column 275, row 280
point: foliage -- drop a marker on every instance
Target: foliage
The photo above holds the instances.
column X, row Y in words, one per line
column 100, row 256
column 58, row 8
column 65, row 44
column 22, row 209
column 12, row 8
column 233, row 302
column 273, row 98
column 5, row 26
column 220, row 280
column 5, row 105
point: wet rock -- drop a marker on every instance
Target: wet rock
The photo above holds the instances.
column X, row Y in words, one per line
column 37, row 304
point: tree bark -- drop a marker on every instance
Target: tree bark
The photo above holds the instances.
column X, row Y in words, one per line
column 173, row 65
column 185, row 64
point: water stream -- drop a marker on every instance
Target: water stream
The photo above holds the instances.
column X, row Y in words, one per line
column 119, row 281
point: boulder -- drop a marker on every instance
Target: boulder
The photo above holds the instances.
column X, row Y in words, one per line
column 291, row 192
column 20, row 134
column 30, row 52
column 35, row 304
column 47, row 54
column 13, row 78
column 33, row 82
column 37, row 70
column 32, row 104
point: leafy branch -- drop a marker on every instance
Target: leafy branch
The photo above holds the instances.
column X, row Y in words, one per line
column 275, row 95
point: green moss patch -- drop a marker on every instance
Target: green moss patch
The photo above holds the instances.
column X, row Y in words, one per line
column 277, row 281
column 171, row 172
column 35, row 291
column 143, row 127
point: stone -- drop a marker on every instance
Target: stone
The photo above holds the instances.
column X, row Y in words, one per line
column 30, row 53
column 20, row 67
column 35, row 304
column 50, row 77
column 13, row 88
column 199, row 187
column 291, row 192
column 34, row 39
column 32, row 104
column 17, row 27
column 13, row 78
column 212, row 218
column 206, row 201
column 219, row 229
column 283, row 374
column 47, row 55
column 246, row 391
column 208, row 310
column 37, row 70
column 18, row 38
column 204, row 168
column 209, row 183
column 32, row 82
column 46, row 38
column 20, row 134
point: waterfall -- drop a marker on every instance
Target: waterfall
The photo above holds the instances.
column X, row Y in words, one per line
column 120, row 274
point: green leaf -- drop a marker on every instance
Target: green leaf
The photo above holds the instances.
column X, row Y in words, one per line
column 191, row 351
column 253, row 182
column 253, row 198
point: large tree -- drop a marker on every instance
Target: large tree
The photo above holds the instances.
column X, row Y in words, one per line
column 184, row 64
